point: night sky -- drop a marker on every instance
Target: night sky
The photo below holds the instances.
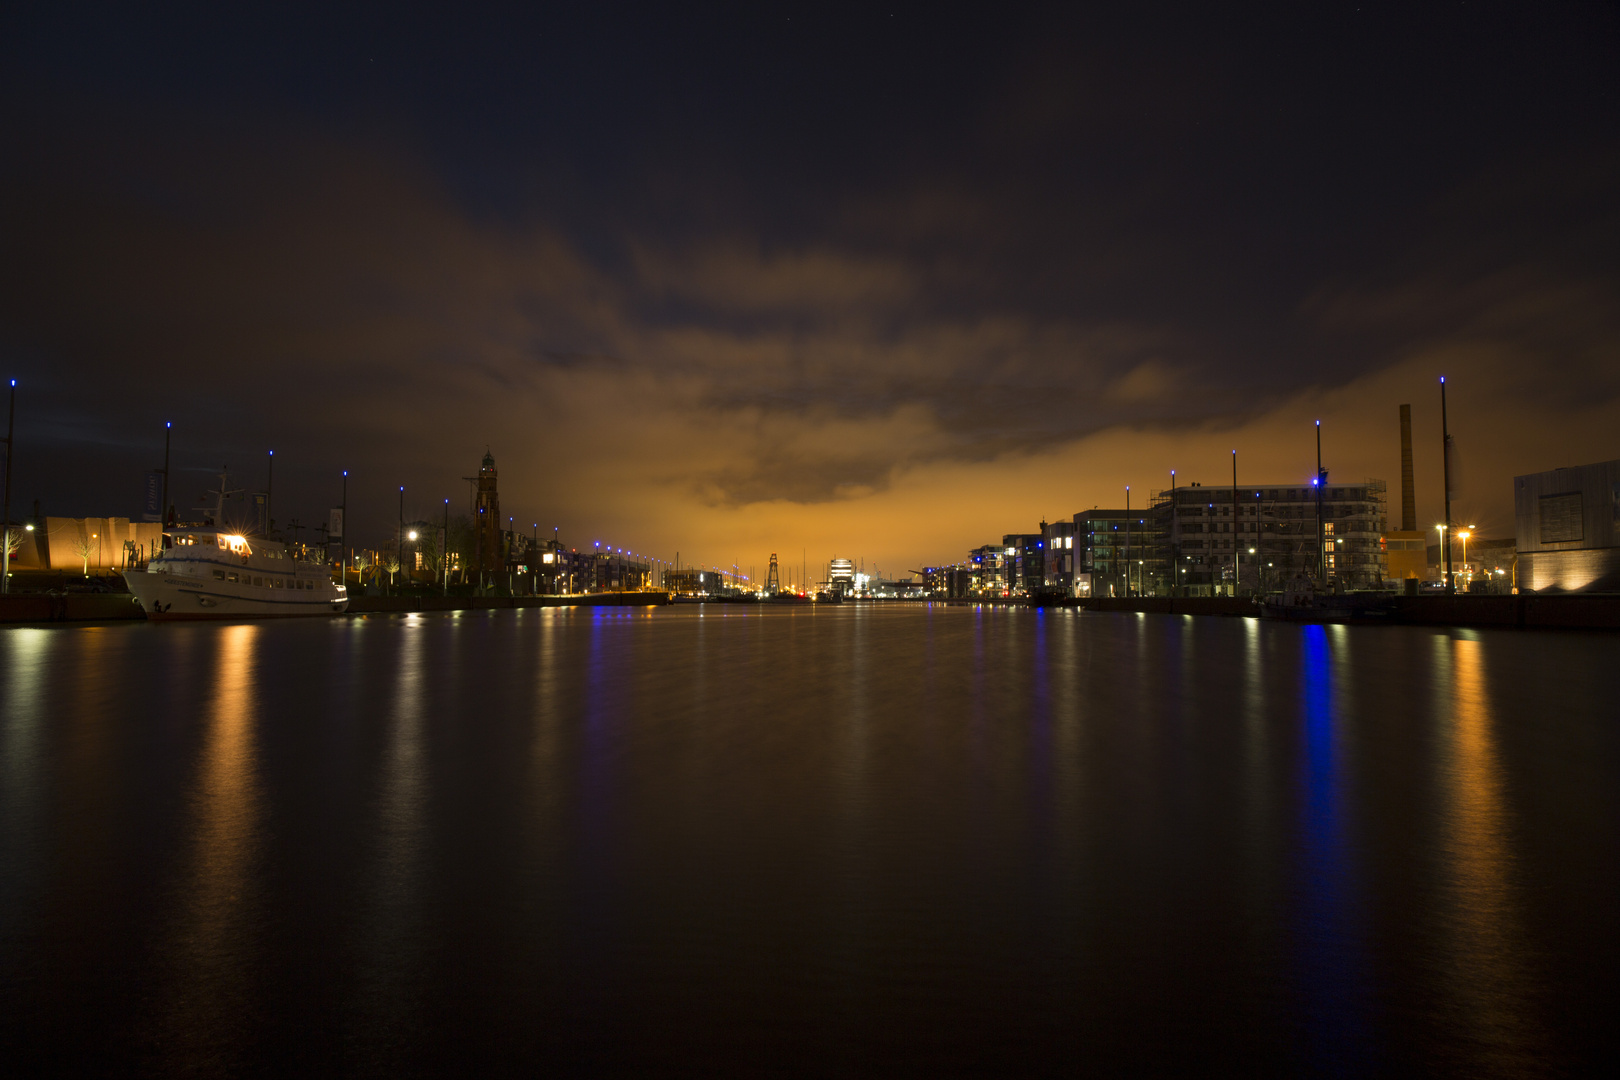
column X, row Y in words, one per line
column 885, row 283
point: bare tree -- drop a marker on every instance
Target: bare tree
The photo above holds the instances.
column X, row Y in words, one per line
column 392, row 566
column 460, row 543
column 427, row 543
column 14, row 540
column 86, row 544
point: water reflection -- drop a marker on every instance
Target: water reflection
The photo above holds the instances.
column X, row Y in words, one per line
column 1480, row 920
column 404, row 788
column 26, row 653
column 849, row 839
column 1332, row 951
column 217, row 923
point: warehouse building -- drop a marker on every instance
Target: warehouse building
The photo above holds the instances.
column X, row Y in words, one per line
column 1566, row 525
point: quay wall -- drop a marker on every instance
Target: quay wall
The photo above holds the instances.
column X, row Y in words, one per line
column 69, row 607
column 1527, row 610
column 112, row 607
column 1172, row 605
column 379, row 605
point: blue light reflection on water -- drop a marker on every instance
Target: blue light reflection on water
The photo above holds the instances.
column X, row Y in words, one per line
column 1329, row 933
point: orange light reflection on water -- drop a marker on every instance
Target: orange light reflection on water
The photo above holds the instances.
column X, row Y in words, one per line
column 1481, row 920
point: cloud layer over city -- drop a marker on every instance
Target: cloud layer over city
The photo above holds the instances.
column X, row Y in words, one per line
column 872, row 298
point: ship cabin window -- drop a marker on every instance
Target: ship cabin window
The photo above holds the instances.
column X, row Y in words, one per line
column 230, row 577
column 258, row 581
column 219, row 575
column 220, row 540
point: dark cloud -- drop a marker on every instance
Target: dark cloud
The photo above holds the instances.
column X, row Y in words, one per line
column 733, row 279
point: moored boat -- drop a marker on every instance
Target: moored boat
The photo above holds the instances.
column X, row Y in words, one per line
column 210, row 572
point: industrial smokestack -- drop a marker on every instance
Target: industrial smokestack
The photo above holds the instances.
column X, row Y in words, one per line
column 1408, row 496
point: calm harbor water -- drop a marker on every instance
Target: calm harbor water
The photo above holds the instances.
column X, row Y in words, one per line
column 858, row 840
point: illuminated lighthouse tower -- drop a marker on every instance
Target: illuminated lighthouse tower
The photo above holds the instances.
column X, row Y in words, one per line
column 487, row 520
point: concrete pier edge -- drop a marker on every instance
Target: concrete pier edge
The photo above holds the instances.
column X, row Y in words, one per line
column 1525, row 611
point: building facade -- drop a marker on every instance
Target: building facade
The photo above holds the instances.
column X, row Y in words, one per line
column 988, row 570
column 1112, row 553
column 1566, row 526
column 1208, row 544
column 1025, row 562
column 1058, row 538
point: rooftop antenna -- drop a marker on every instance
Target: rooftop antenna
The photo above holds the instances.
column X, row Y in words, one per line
column 224, row 492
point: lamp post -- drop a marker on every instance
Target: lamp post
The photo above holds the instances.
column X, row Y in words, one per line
column 401, row 528
column 269, row 492
column 1445, row 545
column 1445, row 433
column 1127, row 541
column 163, row 510
column 445, row 558
column 1175, row 540
column 5, row 515
column 1237, row 529
column 1463, row 536
column 343, row 526
column 1321, row 533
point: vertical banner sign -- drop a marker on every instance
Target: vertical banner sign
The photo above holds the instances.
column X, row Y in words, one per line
column 154, row 497
column 335, row 524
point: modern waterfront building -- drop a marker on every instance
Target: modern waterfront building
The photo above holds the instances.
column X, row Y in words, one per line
column 949, row 582
column 1058, row 538
column 1567, row 528
column 1025, row 566
column 1208, row 545
column 1107, row 544
column 988, row 570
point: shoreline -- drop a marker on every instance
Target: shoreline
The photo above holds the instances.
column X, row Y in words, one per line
column 1526, row 611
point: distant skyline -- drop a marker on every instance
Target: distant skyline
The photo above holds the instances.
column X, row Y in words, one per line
column 882, row 284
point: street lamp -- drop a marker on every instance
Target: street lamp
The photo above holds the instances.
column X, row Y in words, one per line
column 5, row 515
column 343, row 530
column 1463, row 535
column 163, row 511
column 1444, row 543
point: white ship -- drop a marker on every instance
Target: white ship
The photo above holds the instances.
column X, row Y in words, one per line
column 215, row 573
